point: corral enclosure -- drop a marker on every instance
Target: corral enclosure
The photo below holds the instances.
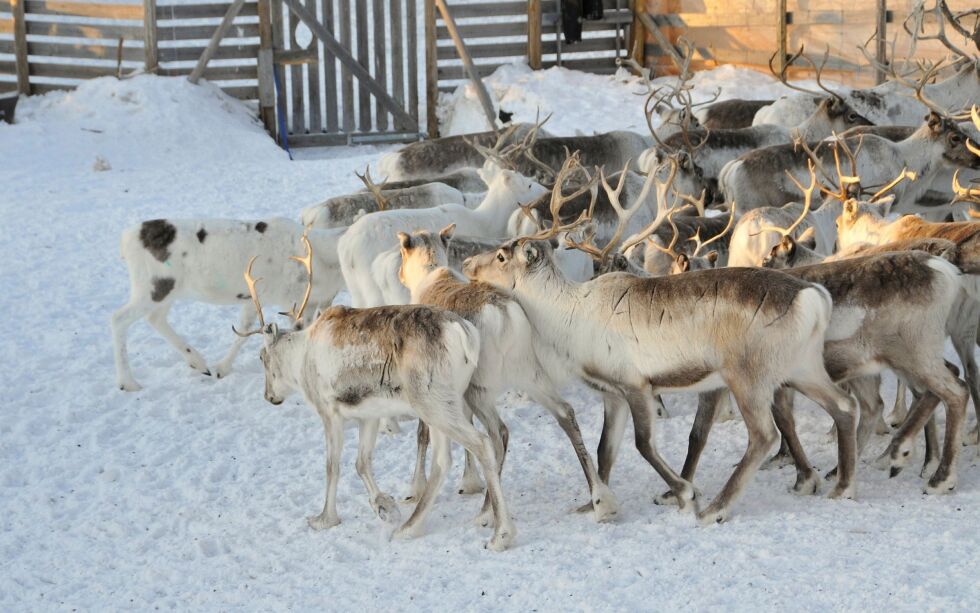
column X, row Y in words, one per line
column 400, row 55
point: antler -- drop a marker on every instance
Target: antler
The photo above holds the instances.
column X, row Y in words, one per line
column 307, row 262
column 496, row 153
column 663, row 211
column 902, row 176
column 527, row 148
column 807, row 199
column 669, row 249
column 373, row 188
column 571, row 166
column 250, row 282
column 917, row 18
column 698, row 245
column 781, row 75
column 623, row 213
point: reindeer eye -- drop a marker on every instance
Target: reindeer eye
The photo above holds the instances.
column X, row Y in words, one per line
column 955, row 139
column 851, row 117
column 500, row 257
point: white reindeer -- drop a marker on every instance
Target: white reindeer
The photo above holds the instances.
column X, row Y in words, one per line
column 363, row 364
column 201, row 260
column 373, row 235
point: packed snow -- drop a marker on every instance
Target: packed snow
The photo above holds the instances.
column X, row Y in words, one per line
column 192, row 493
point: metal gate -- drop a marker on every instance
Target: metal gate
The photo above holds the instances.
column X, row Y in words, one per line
column 346, row 70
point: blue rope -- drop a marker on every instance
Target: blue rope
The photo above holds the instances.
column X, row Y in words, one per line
column 281, row 112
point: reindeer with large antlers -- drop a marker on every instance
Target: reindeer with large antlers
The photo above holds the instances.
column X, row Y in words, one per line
column 363, row 364
column 762, row 177
column 201, row 260
column 750, row 329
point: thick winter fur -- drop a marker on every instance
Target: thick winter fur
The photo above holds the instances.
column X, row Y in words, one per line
column 730, row 114
column 749, row 245
column 760, row 178
column 750, row 329
column 440, row 156
column 466, row 180
column 374, row 235
column 886, row 104
column 363, row 364
column 723, row 146
column 202, row 260
column 507, row 352
column 611, row 149
column 342, row 211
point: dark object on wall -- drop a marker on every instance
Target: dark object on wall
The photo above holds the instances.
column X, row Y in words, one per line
column 592, row 9
column 571, row 20
column 8, row 102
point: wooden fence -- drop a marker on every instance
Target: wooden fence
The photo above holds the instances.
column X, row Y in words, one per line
column 747, row 32
column 58, row 44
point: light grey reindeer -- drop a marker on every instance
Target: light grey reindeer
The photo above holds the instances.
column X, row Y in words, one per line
column 363, row 364
column 508, row 357
column 627, row 335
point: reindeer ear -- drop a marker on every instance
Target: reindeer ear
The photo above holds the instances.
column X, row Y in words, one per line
column 850, row 208
column 619, row 262
column 270, row 333
column 935, row 122
column 885, row 204
column 712, row 257
column 532, row 253
column 405, row 240
column 808, row 238
column 446, row 234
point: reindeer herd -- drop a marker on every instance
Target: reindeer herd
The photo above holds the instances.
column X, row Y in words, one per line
column 742, row 250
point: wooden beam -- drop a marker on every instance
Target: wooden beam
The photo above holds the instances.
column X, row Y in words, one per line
column 662, row 41
column 637, row 38
column 431, row 70
column 782, row 38
column 403, row 120
column 266, row 77
column 534, row 34
column 150, row 35
column 481, row 90
column 20, row 47
column 202, row 62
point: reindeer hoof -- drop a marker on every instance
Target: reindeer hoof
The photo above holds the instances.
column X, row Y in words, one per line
column 502, row 539
column 485, row 518
column 322, row 522
column 666, row 499
column 387, row 510
column 606, row 507
column 973, row 436
column 130, row 386
column 585, row 508
column 842, row 492
column 777, row 461
column 940, row 487
column 709, row 517
column 807, row 486
column 407, row 532
column 929, row 468
column 470, row 486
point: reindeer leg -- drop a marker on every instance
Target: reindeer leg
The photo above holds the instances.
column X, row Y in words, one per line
column 843, row 409
column 900, row 411
column 603, row 500
column 616, row 412
column 964, row 340
column 930, row 462
column 480, row 402
column 783, row 402
column 245, row 320
column 418, row 477
column 130, row 313
column 383, row 504
column 754, row 403
column 644, row 416
column 709, row 405
column 333, row 429
column 158, row 319
column 807, row 479
column 441, row 462
column 470, row 484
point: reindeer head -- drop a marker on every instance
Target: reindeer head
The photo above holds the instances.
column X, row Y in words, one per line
column 510, row 263
column 784, row 254
column 860, row 219
column 275, row 355
column 422, row 252
column 955, row 142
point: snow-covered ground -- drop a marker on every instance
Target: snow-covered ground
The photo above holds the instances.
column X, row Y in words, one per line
column 192, row 493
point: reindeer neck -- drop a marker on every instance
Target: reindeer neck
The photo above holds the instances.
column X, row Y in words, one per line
column 437, row 275
column 495, row 210
column 550, row 300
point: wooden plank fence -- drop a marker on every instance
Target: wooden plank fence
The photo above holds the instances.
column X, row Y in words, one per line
column 68, row 41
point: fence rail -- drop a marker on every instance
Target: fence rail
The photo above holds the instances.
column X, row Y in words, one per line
column 65, row 42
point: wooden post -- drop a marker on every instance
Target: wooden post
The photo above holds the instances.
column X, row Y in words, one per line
column 881, row 49
column 481, row 90
column 150, row 35
column 781, row 35
column 202, row 62
column 638, row 35
column 20, row 47
column 266, row 77
column 431, row 70
column 534, row 34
